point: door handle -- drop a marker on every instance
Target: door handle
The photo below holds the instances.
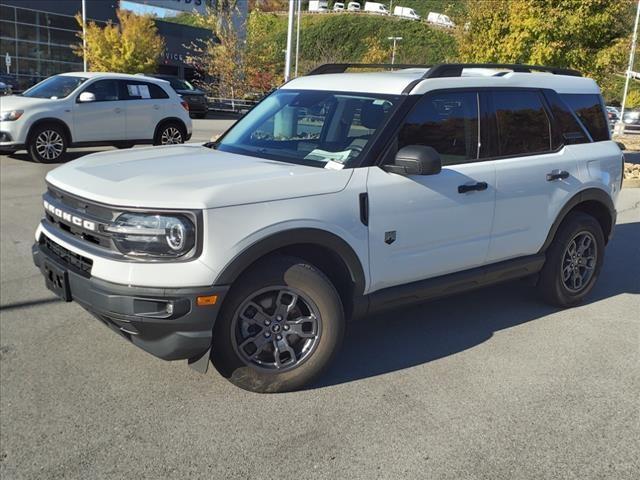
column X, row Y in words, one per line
column 157, row 107
column 557, row 175
column 117, row 110
column 473, row 187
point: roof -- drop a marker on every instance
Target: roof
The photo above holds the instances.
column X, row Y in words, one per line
column 395, row 82
column 121, row 76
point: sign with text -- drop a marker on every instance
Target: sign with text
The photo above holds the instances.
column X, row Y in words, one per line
column 199, row 6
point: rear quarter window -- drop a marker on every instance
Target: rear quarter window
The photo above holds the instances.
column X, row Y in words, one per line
column 589, row 109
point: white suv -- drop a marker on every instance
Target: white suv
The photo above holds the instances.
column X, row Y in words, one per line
column 90, row 109
column 339, row 195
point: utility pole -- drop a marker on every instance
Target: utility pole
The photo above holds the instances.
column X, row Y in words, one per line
column 629, row 70
column 84, row 34
column 393, row 52
column 287, row 60
column 298, row 37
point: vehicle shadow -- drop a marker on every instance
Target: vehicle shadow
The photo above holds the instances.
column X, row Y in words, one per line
column 412, row 336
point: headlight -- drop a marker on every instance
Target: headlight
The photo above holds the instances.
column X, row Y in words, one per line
column 11, row 115
column 154, row 235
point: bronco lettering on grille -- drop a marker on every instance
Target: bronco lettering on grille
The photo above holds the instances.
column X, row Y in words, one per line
column 68, row 217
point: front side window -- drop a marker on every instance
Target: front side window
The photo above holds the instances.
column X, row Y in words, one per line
column 523, row 125
column 588, row 108
column 447, row 122
column 56, row 87
column 318, row 128
column 104, row 90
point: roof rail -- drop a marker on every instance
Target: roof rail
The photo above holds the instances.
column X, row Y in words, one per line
column 455, row 69
column 343, row 67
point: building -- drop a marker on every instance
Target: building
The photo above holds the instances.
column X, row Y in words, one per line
column 38, row 34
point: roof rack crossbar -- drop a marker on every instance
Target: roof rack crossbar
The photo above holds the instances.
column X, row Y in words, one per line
column 343, row 67
column 455, row 69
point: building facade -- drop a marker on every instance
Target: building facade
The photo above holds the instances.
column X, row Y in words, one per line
column 38, row 36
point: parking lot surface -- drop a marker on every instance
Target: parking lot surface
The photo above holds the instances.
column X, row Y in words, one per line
column 492, row 384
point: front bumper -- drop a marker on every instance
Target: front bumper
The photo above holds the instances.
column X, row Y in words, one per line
column 139, row 314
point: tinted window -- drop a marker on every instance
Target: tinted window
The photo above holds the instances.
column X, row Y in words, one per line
column 447, row 122
column 589, row 110
column 523, row 125
column 134, row 90
column 568, row 129
column 104, row 90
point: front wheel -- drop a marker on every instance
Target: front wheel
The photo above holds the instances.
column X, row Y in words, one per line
column 573, row 262
column 47, row 144
column 279, row 328
column 170, row 134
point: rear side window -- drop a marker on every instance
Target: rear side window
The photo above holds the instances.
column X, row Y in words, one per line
column 522, row 122
column 568, row 129
column 135, row 90
column 447, row 122
column 589, row 109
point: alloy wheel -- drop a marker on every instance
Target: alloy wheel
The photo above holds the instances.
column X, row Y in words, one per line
column 49, row 144
column 170, row 136
column 579, row 261
column 276, row 329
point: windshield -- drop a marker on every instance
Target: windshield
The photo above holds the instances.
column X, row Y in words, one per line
column 178, row 84
column 59, row 86
column 324, row 129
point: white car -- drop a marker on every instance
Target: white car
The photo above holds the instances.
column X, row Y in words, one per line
column 353, row 7
column 338, row 7
column 89, row 109
column 339, row 195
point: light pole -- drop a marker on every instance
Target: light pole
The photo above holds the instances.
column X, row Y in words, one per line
column 393, row 52
column 84, row 34
column 298, row 37
column 287, row 60
column 632, row 55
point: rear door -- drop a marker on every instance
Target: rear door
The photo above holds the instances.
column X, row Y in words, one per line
column 103, row 119
column 425, row 226
column 535, row 173
column 145, row 105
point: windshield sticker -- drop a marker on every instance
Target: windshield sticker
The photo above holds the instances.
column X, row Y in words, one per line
column 331, row 165
column 325, row 156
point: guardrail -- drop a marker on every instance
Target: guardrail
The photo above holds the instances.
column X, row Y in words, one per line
column 230, row 105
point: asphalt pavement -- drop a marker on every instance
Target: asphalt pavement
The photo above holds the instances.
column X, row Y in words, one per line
column 491, row 384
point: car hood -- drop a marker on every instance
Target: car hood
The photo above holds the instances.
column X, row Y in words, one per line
column 14, row 102
column 190, row 176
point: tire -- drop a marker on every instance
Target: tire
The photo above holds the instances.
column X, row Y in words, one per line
column 558, row 283
column 47, row 143
column 170, row 133
column 249, row 328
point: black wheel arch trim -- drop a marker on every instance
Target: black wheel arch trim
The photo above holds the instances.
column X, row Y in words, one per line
column 288, row 238
column 55, row 121
column 589, row 194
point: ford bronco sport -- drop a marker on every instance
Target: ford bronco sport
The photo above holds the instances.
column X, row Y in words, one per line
column 338, row 195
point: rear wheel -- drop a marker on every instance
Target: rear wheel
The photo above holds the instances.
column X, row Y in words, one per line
column 279, row 328
column 47, row 144
column 170, row 133
column 574, row 260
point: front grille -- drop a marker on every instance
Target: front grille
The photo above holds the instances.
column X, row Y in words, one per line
column 78, row 263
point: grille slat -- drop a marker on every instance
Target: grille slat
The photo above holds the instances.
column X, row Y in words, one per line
column 78, row 263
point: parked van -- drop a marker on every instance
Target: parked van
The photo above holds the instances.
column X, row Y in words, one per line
column 406, row 12
column 376, row 7
column 318, row 6
column 338, row 7
column 440, row 19
column 353, row 7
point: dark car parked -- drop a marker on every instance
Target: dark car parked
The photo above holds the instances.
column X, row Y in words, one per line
column 8, row 85
column 194, row 97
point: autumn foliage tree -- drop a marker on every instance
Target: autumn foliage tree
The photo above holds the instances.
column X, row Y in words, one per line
column 130, row 46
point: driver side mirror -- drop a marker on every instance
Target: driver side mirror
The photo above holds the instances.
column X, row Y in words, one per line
column 86, row 97
column 415, row 160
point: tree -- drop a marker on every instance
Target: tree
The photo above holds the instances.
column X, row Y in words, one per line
column 131, row 46
column 592, row 36
column 376, row 51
